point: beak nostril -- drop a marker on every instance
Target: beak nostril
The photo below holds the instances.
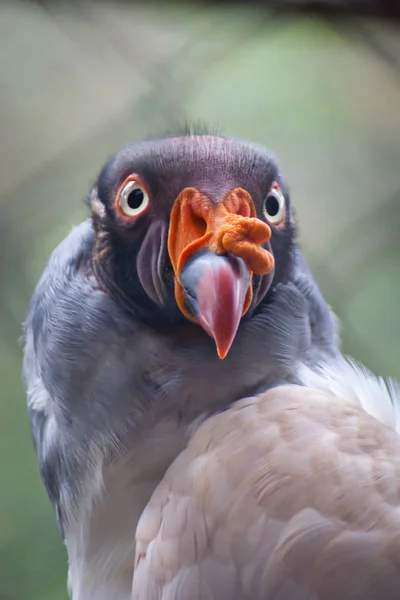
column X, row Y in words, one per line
column 239, row 202
column 200, row 224
column 244, row 210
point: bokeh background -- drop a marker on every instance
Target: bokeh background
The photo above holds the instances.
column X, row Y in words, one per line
column 79, row 80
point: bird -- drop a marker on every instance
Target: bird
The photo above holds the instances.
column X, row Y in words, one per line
column 292, row 494
column 182, row 292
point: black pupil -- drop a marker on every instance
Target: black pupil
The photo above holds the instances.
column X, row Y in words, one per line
column 135, row 199
column 272, row 206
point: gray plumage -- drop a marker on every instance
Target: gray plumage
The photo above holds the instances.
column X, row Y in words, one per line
column 113, row 391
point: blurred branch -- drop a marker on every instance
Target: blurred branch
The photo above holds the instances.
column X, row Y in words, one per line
column 339, row 14
column 357, row 30
column 343, row 15
column 387, row 9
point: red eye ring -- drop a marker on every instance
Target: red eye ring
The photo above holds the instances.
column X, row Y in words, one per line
column 275, row 206
column 132, row 199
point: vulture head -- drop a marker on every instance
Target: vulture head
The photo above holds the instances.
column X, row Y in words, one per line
column 195, row 229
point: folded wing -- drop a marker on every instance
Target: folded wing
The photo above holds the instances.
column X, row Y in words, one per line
column 290, row 495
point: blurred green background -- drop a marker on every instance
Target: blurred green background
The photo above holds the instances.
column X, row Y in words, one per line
column 79, row 81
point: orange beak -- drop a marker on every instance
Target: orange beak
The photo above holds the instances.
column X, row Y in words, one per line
column 214, row 249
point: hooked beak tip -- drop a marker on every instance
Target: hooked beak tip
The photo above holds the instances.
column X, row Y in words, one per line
column 217, row 291
column 223, row 351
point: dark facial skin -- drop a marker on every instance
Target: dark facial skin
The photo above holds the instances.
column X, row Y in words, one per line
column 131, row 258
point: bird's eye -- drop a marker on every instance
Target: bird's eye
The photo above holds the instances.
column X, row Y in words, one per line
column 132, row 199
column 274, row 205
